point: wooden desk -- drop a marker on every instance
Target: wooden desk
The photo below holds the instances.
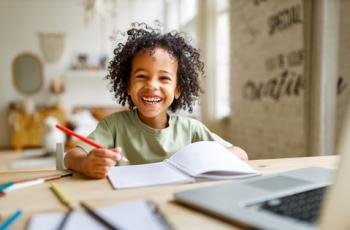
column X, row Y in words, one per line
column 15, row 161
column 99, row 193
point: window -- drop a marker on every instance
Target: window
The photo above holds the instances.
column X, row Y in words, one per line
column 222, row 72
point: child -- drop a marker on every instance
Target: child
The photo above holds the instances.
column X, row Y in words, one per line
column 152, row 73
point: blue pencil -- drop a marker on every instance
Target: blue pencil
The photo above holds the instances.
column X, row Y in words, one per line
column 9, row 221
column 5, row 186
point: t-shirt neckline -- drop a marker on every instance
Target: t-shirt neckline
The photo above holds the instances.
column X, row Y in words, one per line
column 149, row 129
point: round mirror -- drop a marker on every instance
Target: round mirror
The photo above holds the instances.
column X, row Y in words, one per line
column 27, row 73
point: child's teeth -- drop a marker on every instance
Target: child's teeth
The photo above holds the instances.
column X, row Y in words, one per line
column 151, row 99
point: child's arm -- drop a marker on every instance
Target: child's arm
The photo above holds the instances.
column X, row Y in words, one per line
column 239, row 152
column 95, row 164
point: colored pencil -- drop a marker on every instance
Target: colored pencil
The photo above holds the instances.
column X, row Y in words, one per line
column 159, row 215
column 60, row 195
column 65, row 219
column 98, row 217
column 29, row 182
column 84, row 139
column 6, row 186
column 65, row 201
column 9, row 221
column 24, row 184
column 80, row 137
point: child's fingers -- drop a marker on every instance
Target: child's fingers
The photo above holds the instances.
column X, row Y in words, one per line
column 117, row 150
column 98, row 175
column 98, row 171
column 93, row 164
column 104, row 162
column 105, row 153
column 99, row 161
column 102, row 171
column 120, row 154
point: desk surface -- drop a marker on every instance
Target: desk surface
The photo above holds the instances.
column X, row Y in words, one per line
column 99, row 193
column 26, row 160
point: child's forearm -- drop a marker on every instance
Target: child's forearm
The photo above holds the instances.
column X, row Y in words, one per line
column 74, row 159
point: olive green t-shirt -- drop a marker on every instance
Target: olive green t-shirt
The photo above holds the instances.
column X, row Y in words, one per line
column 143, row 144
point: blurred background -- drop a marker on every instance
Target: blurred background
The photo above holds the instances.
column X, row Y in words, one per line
column 277, row 72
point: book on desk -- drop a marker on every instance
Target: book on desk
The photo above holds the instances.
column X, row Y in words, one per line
column 199, row 161
column 121, row 216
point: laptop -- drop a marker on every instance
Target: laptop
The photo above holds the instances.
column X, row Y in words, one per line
column 308, row 198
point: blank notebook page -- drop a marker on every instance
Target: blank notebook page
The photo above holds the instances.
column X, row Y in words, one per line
column 146, row 175
column 202, row 157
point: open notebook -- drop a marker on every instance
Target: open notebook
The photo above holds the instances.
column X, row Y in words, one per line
column 200, row 161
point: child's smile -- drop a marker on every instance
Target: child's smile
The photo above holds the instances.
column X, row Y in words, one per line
column 153, row 85
column 152, row 100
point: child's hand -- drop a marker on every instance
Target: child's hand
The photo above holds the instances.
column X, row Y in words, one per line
column 98, row 162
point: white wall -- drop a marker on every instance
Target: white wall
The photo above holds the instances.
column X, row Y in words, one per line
column 264, row 125
column 267, row 61
column 20, row 23
column 344, row 67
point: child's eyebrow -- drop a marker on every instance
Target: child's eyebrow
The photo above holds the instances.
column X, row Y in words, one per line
column 138, row 70
column 143, row 70
column 167, row 72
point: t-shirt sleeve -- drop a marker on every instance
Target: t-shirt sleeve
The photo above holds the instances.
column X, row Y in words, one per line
column 202, row 133
column 101, row 135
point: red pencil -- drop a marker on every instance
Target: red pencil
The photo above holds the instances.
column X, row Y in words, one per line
column 86, row 140
column 80, row 137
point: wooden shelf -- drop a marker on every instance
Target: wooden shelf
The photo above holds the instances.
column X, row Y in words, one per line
column 28, row 130
column 86, row 73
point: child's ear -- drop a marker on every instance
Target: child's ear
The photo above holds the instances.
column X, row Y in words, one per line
column 177, row 93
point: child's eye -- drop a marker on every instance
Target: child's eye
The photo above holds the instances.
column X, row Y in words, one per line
column 140, row 76
column 165, row 78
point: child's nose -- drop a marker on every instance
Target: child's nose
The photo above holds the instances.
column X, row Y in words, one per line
column 153, row 84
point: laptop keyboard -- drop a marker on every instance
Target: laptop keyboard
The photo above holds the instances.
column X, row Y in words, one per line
column 304, row 206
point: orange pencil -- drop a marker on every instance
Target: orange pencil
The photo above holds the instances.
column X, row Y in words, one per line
column 82, row 138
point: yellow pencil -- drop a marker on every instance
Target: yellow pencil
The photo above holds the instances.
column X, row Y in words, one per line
column 60, row 195
column 65, row 201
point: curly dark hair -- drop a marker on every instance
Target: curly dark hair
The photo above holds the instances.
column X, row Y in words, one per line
column 142, row 37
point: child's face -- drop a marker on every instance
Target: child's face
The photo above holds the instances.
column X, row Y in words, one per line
column 153, row 85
